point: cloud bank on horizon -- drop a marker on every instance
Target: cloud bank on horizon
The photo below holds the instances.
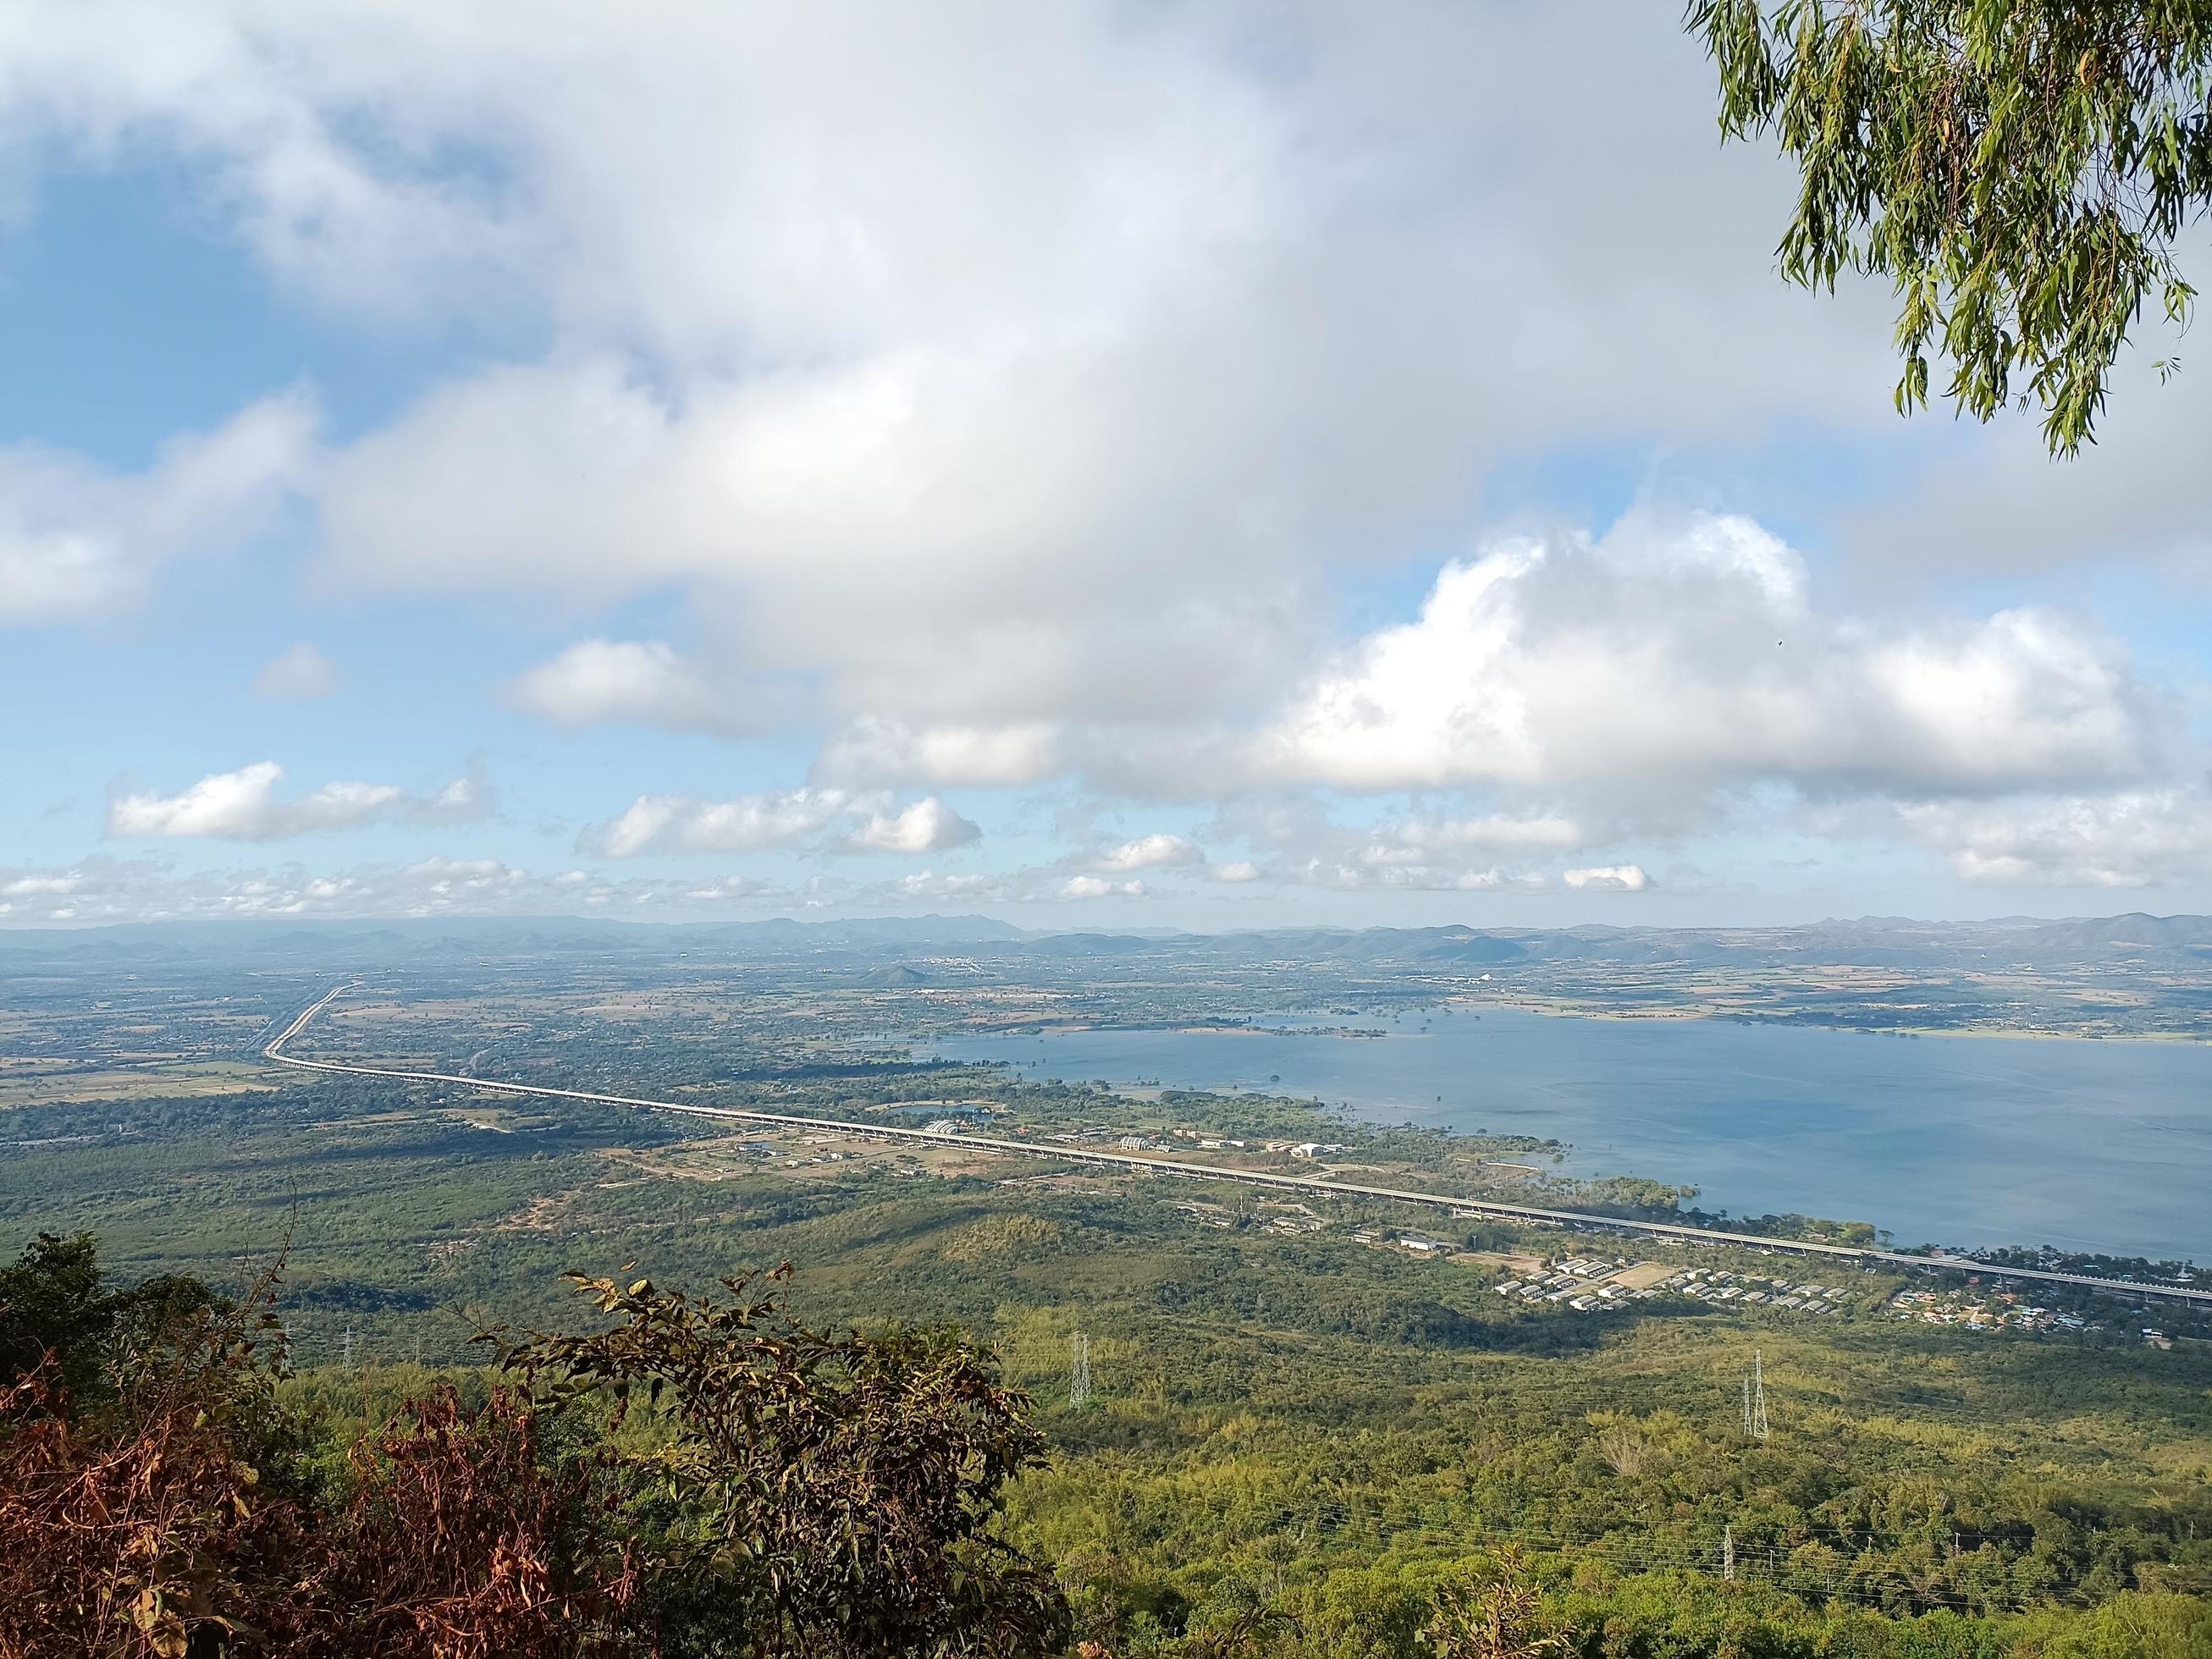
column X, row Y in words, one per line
column 1209, row 464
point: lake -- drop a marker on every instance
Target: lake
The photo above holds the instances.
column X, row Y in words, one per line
column 2089, row 1145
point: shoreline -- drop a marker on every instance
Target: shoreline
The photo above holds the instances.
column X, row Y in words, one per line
column 1588, row 1151
column 1717, row 1016
column 1677, row 1015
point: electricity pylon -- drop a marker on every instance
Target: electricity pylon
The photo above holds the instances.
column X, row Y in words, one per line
column 1078, row 1381
column 1754, row 1400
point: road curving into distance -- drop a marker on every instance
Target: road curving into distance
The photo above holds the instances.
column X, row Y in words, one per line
column 1467, row 1207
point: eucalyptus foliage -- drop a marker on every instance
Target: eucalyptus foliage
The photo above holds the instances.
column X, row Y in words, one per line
column 2021, row 170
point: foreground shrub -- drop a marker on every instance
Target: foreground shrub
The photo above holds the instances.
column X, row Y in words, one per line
column 697, row 1479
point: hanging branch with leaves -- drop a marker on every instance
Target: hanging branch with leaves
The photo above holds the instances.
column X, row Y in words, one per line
column 2020, row 170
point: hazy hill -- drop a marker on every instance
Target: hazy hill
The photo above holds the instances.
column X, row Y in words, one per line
column 2135, row 939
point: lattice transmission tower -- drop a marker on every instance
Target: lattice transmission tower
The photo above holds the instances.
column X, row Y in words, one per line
column 1754, row 1400
column 1078, row 1372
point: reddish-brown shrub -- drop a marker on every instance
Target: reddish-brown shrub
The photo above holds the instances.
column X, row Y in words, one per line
column 140, row 1535
column 456, row 1542
column 787, row 1492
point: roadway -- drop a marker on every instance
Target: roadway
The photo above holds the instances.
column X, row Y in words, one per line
column 1456, row 1206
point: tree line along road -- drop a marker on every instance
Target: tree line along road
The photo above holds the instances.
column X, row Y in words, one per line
column 274, row 1050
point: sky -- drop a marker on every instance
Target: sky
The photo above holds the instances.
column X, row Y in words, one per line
column 1119, row 466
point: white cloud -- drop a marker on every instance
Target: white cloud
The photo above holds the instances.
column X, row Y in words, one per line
column 1673, row 662
column 928, row 826
column 242, row 805
column 1030, row 368
column 76, row 542
column 1092, row 887
column 1367, row 876
column 1429, row 855
column 732, row 888
column 1026, row 387
column 650, row 683
column 1149, row 853
column 1610, row 879
column 40, row 886
column 750, row 823
column 876, row 751
column 466, row 798
column 928, row 884
column 302, row 672
column 461, row 879
column 1236, row 871
column 762, row 823
column 1427, row 851
column 109, row 891
column 1423, row 840
column 1688, row 654
column 596, row 680
column 2128, row 838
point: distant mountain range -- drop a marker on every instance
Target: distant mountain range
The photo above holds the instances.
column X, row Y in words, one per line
column 891, row 941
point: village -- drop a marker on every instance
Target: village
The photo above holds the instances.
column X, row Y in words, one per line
column 1977, row 1307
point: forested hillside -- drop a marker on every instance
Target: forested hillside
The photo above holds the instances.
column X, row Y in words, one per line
column 689, row 1476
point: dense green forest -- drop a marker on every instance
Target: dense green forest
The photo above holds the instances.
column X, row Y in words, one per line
column 1236, row 1484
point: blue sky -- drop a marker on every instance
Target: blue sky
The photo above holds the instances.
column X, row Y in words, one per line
column 1204, row 467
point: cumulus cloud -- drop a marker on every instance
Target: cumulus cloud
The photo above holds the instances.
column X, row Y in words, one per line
column 1428, row 841
column 647, row 682
column 928, row 826
column 861, row 823
column 986, row 371
column 464, row 798
column 1151, row 852
column 299, row 673
column 43, row 887
column 1092, row 887
column 750, row 823
column 596, row 680
column 243, row 805
column 732, row 888
column 1365, row 876
column 78, row 542
column 1608, row 879
column 1452, row 854
column 109, row 891
column 1654, row 672
column 102, row 890
column 1689, row 653
column 874, row 750
column 931, row 885
column 1028, row 392
column 2128, row 838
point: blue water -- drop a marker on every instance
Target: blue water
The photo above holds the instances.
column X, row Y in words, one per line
column 1955, row 1140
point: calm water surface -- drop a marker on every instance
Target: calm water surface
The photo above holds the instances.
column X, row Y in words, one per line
column 1955, row 1140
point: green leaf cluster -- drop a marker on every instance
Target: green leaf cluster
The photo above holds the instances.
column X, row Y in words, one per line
column 2020, row 170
